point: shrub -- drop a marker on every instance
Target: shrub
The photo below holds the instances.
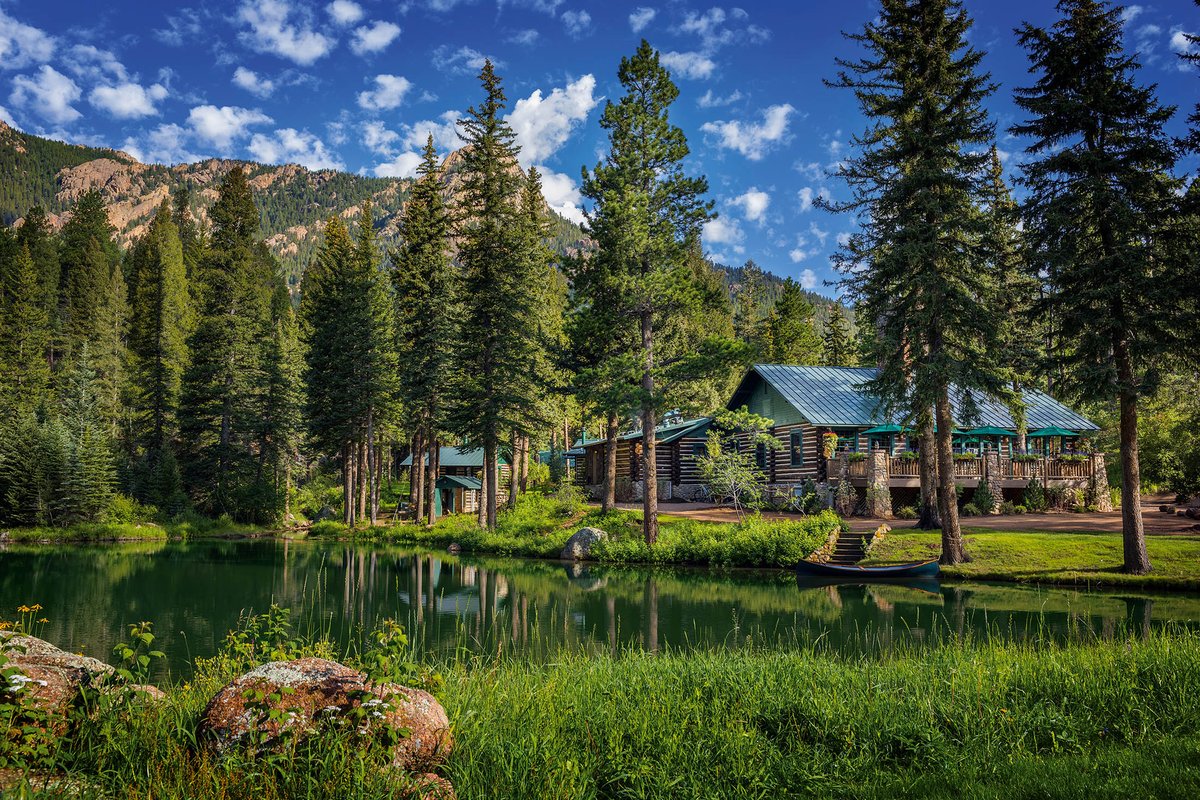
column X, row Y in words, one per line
column 971, row 510
column 125, row 510
column 906, row 512
column 1008, row 507
column 856, row 456
column 1019, row 509
column 845, row 498
column 984, row 500
column 328, row 527
column 1035, row 495
column 1056, row 497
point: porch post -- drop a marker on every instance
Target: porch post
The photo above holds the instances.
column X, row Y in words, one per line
column 991, row 470
column 1100, row 482
column 879, row 495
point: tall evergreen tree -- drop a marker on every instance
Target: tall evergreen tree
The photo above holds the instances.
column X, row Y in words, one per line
column 278, row 432
column 916, row 180
column 37, row 234
column 838, row 349
column 90, row 473
column 791, row 328
column 88, row 257
column 427, row 316
column 646, row 212
column 492, row 394
column 751, row 309
column 24, row 337
column 1101, row 203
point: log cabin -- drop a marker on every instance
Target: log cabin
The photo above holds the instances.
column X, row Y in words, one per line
column 459, row 482
column 678, row 445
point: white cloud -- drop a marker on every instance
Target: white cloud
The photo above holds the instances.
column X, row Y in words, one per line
column 6, row 117
column 525, row 38
column 577, row 23
column 128, row 100
column 543, row 124
column 94, row 64
column 290, row 146
column 808, row 279
column 220, row 126
column 22, row 45
column 843, row 239
column 166, row 144
column 388, row 93
column 253, row 83
column 693, row 66
column 714, row 33
column 753, row 203
column 819, row 233
column 752, row 139
column 807, row 194
column 444, row 131
column 402, row 166
column 1182, row 45
column 641, row 17
column 345, row 12
column 710, row 100
column 1130, row 13
column 464, row 60
column 273, row 30
column 180, row 28
column 374, row 37
column 378, row 139
column 49, row 95
column 562, row 195
column 722, row 230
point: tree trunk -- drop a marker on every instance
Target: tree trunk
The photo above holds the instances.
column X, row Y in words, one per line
column 952, row 544
column 513, row 477
column 347, row 485
column 481, row 512
column 1137, row 561
column 926, row 462
column 416, row 478
column 610, row 464
column 649, row 460
column 431, row 476
column 362, row 480
column 493, row 492
column 523, row 482
column 372, row 478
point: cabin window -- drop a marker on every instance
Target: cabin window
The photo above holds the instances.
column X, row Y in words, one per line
column 760, row 456
column 796, row 447
column 699, row 449
column 847, row 440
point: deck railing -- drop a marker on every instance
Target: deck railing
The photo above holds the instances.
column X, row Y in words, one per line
column 1057, row 468
column 968, row 468
column 905, row 467
column 857, row 469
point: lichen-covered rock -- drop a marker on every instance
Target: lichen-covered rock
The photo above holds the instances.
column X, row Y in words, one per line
column 579, row 546
column 316, row 687
column 52, row 677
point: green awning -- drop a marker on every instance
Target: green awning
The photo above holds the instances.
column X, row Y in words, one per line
column 885, row 429
column 1044, row 432
column 990, row 430
column 458, row 482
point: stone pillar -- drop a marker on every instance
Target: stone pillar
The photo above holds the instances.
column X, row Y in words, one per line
column 879, row 495
column 1100, row 483
column 991, row 470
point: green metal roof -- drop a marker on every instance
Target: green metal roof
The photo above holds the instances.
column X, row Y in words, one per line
column 990, row 430
column 666, row 433
column 1051, row 431
column 458, row 482
column 834, row 397
column 454, row 457
column 886, row 429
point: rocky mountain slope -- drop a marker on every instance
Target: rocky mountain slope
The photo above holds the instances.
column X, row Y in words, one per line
column 295, row 202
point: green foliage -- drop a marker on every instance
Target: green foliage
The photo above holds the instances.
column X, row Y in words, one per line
column 790, row 328
column 135, row 655
column 25, row 334
column 983, row 497
column 1034, row 496
column 906, row 512
column 729, row 471
column 838, row 349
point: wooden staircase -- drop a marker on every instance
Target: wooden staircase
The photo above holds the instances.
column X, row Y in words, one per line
column 848, row 550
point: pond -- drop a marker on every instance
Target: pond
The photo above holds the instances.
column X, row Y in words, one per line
column 194, row 592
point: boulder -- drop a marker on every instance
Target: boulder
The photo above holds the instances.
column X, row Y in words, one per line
column 1193, row 512
column 1167, row 509
column 454, row 548
column 324, row 513
column 53, row 677
column 317, row 689
column 579, row 546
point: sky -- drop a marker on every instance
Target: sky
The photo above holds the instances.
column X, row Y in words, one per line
column 358, row 85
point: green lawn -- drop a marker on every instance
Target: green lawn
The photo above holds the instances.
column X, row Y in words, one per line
column 1092, row 559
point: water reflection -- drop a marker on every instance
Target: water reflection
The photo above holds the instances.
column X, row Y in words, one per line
column 194, row 592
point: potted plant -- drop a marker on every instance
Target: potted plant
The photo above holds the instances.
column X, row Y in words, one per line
column 829, row 443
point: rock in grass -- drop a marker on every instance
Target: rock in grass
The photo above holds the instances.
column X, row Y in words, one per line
column 303, row 692
column 427, row 786
column 52, row 677
column 579, row 546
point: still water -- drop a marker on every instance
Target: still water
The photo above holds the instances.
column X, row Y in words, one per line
column 194, row 592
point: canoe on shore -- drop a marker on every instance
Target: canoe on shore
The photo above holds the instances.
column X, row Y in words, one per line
column 917, row 569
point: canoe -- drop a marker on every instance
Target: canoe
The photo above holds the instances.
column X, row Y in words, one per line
column 917, row 569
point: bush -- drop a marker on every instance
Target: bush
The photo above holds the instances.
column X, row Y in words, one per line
column 328, row 527
column 845, row 498
column 1019, row 509
column 971, row 510
column 1035, row 495
column 1008, row 507
column 906, row 512
column 983, row 499
column 124, row 509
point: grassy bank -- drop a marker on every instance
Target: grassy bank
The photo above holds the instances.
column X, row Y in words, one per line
column 1091, row 559
column 539, row 526
column 191, row 527
column 1108, row 719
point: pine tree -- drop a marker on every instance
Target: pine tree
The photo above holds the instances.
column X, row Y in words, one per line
column 88, row 257
column 791, row 328
column 24, row 337
column 90, row 474
column 1192, row 56
column 916, row 182
column 1101, row 204
column 751, row 310
column 37, row 234
column 427, row 302
column 278, row 434
column 647, row 210
column 838, row 349
column 492, row 393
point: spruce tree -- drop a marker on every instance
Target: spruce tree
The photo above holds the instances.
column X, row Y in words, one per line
column 916, row 180
column 37, row 234
column 492, row 393
column 427, row 316
column 791, row 327
column 90, row 474
column 647, row 210
column 88, row 256
column 838, row 348
column 1101, row 203
column 278, row 433
column 24, row 338
column 751, row 309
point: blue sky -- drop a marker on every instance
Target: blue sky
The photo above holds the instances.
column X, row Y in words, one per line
column 358, row 84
